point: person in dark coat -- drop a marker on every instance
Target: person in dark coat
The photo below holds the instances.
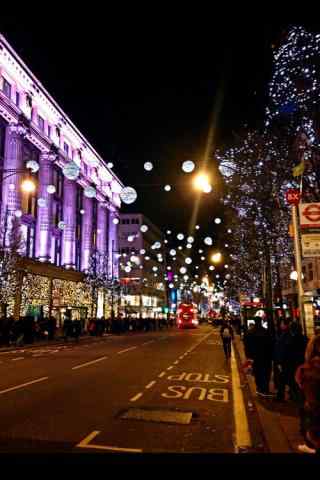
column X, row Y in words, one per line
column 258, row 346
column 76, row 329
column 51, row 328
column 226, row 334
column 67, row 328
column 290, row 349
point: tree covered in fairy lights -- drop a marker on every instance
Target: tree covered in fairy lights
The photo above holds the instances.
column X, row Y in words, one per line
column 258, row 168
column 9, row 256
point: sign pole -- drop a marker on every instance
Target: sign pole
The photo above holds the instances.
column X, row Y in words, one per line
column 297, row 254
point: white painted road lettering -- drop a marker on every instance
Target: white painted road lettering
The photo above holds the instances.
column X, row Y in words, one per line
column 197, row 393
column 199, row 377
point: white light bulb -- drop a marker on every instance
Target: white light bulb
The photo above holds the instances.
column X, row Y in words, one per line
column 167, row 188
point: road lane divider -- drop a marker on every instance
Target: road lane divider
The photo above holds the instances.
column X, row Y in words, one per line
column 126, row 350
column 17, row 359
column 151, row 384
column 162, row 374
column 89, row 363
column 85, row 443
column 17, row 387
column 147, row 343
column 242, row 433
column 136, row 397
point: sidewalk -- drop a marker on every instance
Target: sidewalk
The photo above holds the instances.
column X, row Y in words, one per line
column 56, row 342
column 279, row 421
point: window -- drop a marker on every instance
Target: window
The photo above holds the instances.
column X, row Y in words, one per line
column 6, row 88
column 49, row 131
column 41, row 123
column 79, row 218
column 66, row 148
column 18, row 99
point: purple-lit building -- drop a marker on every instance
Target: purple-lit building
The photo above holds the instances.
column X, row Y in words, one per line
column 71, row 211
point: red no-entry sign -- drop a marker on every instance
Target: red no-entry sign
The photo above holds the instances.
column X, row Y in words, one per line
column 310, row 215
column 293, row 196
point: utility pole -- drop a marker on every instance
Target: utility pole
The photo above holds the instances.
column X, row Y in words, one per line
column 297, row 255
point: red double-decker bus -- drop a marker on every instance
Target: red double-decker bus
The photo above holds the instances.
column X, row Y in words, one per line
column 187, row 315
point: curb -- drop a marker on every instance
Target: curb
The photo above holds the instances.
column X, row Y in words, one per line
column 275, row 437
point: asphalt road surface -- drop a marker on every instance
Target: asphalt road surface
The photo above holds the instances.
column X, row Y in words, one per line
column 164, row 391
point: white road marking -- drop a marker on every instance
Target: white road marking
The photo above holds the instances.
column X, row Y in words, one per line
column 133, row 399
column 85, row 443
column 89, row 363
column 147, row 343
column 243, row 438
column 23, row 385
column 176, row 362
column 16, row 359
column 162, row 374
column 37, row 355
column 169, row 368
column 151, row 384
column 126, row 350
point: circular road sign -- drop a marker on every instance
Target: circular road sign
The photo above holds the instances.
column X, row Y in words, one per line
column 312, row 212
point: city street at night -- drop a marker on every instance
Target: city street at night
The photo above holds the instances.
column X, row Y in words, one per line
column 164, row 391
column 159, row 237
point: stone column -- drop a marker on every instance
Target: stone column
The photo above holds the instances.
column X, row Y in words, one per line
column 102, row 229
column 69, row 218
column 86, row 242
column 44, row 215
column 113, row 246
column 11, row 184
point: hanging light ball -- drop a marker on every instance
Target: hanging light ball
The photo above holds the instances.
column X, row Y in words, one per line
column 135, row 259
column 71, row 171
column 207, row 188
column 185, row 277
column 144, row 228
column 188, row 260
column 167, row 188
column 51, row 189
column 62, row 225
column 203, row 258
column 211, row 268
column 183, row 270
column 155, row 269
column 157, row 245
column 229, row 230
column 180, row 236
column 190, row 239
column 12, row 187
column 180, row 247
column 226, row 266
column 200, row 251
column 171, row 285
column 90, row 192
column 173, row 252
column 33, row 166
column 41, row 202
column 130, row 238
column 82, row 211
column 197, row 227
column 116, row 221
column 228, row 276
column 142, row 251
column 208, row 241
column 110, row 165
column 189, row 245
column 188, row 166
column 128, row 195
column 169, row 232
column 148, row 166
column 217, row 221
column 18, row 213
column 127, row 269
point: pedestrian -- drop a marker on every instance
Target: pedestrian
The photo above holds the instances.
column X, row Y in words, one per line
column 51, row 327
column 259, row 348
column 290, row 349
column 226, row 333
column 67, row 328
column 308, row 379
column 76, row 329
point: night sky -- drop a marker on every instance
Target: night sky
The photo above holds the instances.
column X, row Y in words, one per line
column 148, row 91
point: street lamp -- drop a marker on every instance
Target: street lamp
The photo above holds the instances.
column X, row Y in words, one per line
column 28, row 186
column 202, row 182
column 216, row 257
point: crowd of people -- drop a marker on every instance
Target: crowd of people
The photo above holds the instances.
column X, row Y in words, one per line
column 293, row 361
column 27, row 329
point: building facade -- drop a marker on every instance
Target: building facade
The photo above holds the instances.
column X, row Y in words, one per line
column 71, row 211
column 142, row 266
